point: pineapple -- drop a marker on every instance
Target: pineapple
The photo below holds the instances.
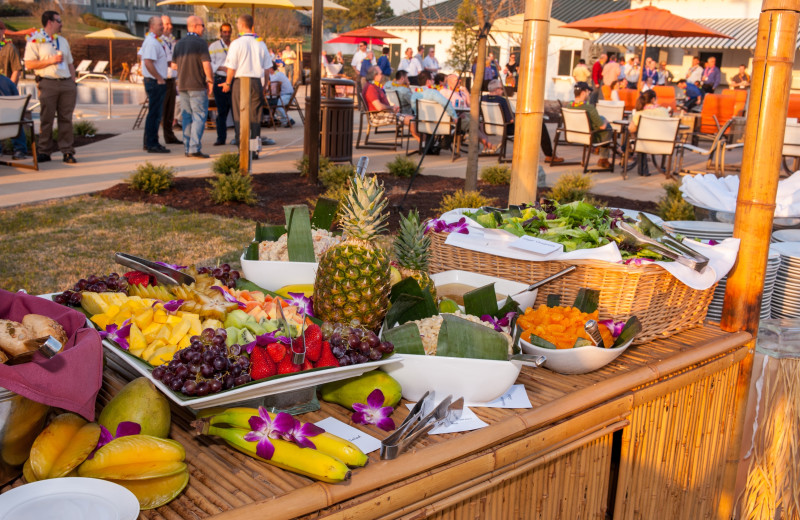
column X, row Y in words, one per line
column 412, row 251
column 353, row 276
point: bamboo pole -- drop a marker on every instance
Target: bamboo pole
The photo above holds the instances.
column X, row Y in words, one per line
column 530, row 102
column 755, row 206
column 313, row 106
column 244, row 124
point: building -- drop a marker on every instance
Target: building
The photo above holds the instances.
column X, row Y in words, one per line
column 136, row 13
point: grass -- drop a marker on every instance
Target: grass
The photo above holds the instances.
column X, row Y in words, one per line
column 49, row 246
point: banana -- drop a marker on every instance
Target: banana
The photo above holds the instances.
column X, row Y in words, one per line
column 288, row 456
column 306, row 288
column 327, row 443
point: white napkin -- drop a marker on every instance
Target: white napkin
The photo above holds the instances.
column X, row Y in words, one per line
column 721, row 259
column 720, row 193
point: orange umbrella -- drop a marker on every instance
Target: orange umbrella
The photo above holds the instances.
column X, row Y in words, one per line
column 644, row 20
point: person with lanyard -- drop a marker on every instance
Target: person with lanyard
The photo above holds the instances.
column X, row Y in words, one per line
column 403, row 89
column 411, row 66
column 633, row 71
column 381, row 111
column 49, row 56
column 195, row 83
column 650, row 72
column 154, row 70
column 10, row 65
column 741, row 80
column 218, row 52
column 168, row 117
column 431, row 63
column 460, row 94
column 601, row 129
column 358, row 57
column 692, row 94
column 695, row 73
column 289, row 58
column 711, row 75
column 247, row 58
column 384, row 64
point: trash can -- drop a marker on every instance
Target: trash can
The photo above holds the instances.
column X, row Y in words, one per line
column 336, row 121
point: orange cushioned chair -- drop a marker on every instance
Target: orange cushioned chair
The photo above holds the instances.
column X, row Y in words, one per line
column 665, row 96
column 606, row 89
column 794, row 105
column 629, row 96
column 709, row 114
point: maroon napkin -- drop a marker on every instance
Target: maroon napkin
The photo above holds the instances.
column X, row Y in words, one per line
column 73, row 377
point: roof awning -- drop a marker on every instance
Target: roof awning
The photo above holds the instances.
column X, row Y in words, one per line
column 743, row 32
column 113, row 16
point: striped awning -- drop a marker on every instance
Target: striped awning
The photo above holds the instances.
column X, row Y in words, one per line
column 742, row 31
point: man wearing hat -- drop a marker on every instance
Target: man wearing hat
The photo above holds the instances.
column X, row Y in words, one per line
column 601, row 129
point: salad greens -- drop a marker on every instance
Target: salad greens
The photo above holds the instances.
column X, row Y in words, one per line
column 576, row 225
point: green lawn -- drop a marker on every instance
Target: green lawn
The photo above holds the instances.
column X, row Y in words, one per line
column 18, row 23
column 48, row 246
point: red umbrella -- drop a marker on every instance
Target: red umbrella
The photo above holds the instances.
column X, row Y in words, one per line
column 353, row 40
column 370, row 34
column 644, row 20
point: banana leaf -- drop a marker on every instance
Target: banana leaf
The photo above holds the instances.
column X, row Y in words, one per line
column 480, row 301
column 409, row 303
column 269, row 232
column 324, row 213
column 510, row 305
column 298, row 227
column 587, row 300
column 540, row 342
column 405, row 338
column 553, row 300
column 632, row 327
column 465, row 339
column 251, row 251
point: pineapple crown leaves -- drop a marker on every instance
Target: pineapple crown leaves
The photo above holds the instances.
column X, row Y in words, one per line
column 412, row 245
column 363, row 215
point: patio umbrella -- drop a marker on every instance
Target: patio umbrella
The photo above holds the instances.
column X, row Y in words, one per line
column 353, row 40
column 513, row 24
column 111, row 35
column 370, row 34
column 644, row 20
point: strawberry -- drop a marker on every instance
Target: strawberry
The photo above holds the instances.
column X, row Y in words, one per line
column 261, row 365
column 313, row 335
column 307, row 364
column 287, row 367
column 138, row 277
column 326, row 358
column 277, row 351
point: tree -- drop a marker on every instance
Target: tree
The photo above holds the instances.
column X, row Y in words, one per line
column 269, row 23
column 361, row 14
column 464, row 36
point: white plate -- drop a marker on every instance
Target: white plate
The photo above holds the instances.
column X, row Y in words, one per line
column 476, row 380
column 579, row 360
column 787, row 235
column 717, row 228
column 790, row 250
column 69, row 498
column 501, row 285
column 274, row 275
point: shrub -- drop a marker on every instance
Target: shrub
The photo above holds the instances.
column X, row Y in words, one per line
column 84, row 128
column 302, row 165
column 151, row 178
column 496, row 175
column 232, row 188
column 336, row 175
column 402, row 166
column 672, row 206
column 464, row 199
column 571, row 187
column 226, row 164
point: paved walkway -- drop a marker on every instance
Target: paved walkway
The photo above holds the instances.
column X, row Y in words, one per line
column 105, row 163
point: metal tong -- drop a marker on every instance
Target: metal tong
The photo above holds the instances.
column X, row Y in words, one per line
column 420, row 421
column 163, row 274
column 297, row 357
column 547, row 280
column 47, row 345
column 667, row 245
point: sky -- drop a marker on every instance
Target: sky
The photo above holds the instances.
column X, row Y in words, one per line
column 401, row 6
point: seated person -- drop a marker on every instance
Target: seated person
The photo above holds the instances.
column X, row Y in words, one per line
column 742, row 79
column 645, row 104
column 496, row 96
column 403, row 89
column 381, row 111
column 8, row 88
column 693, row 95
column 601, row 129
column 281, row 88
column 461, row 96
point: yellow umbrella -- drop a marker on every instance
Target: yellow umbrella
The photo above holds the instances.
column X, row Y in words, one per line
column 513, row 24
column 110, row 35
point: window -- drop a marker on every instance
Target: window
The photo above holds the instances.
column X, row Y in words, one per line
column 567, row 61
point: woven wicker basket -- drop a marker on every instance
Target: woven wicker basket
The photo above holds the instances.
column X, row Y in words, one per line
column 663, row 304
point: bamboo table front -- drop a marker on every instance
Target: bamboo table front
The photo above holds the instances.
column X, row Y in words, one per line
column 644, row 437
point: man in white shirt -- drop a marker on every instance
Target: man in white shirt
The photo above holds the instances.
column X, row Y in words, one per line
column 695, row 72
column 411, row 65
column 154, row 70
column 247, row 58
column 358, row 57
column 219, row 51
column 431, row 63
column 283, row 90
column 168, row 119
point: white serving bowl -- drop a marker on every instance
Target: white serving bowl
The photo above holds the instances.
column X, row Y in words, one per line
column 579, row 360
column 476, row 380
column 502, row 286
column 274, row 275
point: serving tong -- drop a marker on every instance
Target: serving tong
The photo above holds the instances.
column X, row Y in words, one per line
column 423, row 418
column 47, row 345
column 547, row 280
column 664, row 244
column 298, row 358
column 165, row 275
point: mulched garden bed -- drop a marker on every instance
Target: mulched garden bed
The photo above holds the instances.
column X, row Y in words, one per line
column 82, row 140
column 275, row 190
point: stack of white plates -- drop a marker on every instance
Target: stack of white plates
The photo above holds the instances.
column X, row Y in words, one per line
column 771, row 276
column 700, row 230
column 786, row 295
column 786, row 235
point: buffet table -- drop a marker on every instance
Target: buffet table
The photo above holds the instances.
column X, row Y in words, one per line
column 646, row 435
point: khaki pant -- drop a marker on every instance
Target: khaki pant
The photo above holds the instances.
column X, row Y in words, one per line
column 57, row 97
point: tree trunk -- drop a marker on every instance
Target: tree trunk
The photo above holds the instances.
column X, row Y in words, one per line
column 471, row 180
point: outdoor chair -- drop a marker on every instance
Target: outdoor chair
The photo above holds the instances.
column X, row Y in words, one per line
column 578, row 131
column 142, row 114
column 612, row 111
column 494, row 123
column 375, row 119
column 100, row 67
column 715, row 152
column 428, row 114
column 394, row 100
column 791, row 147
column 654, row 136
column 83, row 67
column 294, row 104
column 12, row 122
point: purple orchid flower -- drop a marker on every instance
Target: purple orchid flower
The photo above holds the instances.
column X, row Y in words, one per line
column 228, row 297
column 302, row 302
column 276, row 336
column 713, row 242
column 171, row 306
column 265, row 428
column 172, row 266
column 615, row 327
column 300, row 432
column 440, row 226
column 124, row 429
column 374, row 412
column 499, row 323
column 118, row 334
column 637, row 261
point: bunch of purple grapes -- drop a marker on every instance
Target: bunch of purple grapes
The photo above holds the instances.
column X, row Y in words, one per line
column 223, row 273
column 206, row 366
column 99, row 284
column 353, row 344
